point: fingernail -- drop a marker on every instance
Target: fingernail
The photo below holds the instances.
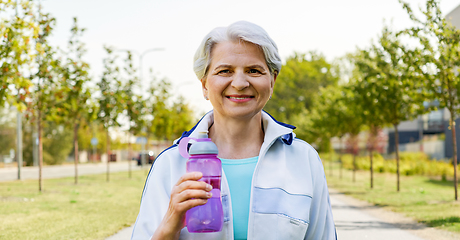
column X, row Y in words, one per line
column 197, row 175
column 209, row 194
column 208, row 187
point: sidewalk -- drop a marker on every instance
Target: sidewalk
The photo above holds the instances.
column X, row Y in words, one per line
column 357, row 220
column 68, row 170
column 124, row 234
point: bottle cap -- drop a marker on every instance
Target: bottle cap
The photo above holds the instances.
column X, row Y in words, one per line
column 204, row 145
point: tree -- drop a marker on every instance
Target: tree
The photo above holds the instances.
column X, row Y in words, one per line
column 46, row 80
column 353, row 122
column 166, row 119
column 367, row 88
column 57, row 143
column 438, row 61
column 17, row 35
column 7, row 131
column 297, row 87
column 158, row 96
column 181, row 117
column 110, row 101
column 390, row 81
column 331, row 117
column 73, row 96
column 135, row 104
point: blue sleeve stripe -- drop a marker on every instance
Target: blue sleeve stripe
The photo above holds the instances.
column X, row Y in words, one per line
column 296, row 206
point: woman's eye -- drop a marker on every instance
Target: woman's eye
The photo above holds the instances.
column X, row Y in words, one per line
column 224, row 71
column 254, row 71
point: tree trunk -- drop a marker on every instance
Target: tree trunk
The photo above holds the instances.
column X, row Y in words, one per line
column 94, row 157
column 108, row 154
column 372, row 168
column 19, row 143
column 331, row 160
column 340, row 157
column 397, row 155
column 40, row 152
column 354, row 166
column 75, row 144
column 454, row 158
column 129, row 154
column 420, row 132
column 373, row 135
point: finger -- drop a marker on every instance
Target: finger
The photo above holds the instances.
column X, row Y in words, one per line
column 198, row 185
column 182, row 202
column 192, row 194
column 191, row 203
column 194, row 176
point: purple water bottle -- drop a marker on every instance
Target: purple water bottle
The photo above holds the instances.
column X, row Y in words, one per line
column 202, row 157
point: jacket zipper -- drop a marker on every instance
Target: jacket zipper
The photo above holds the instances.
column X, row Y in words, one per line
column 252, row 183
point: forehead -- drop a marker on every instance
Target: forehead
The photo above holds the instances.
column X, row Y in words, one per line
column 240, row 52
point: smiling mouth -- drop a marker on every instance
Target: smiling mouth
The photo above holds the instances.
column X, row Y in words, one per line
column 240, row 98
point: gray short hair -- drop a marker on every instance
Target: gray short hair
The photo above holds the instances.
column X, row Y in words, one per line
column 237, row 31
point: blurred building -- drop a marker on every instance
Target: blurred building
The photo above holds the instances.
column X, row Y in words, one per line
column 433, row 128
column 454, row 17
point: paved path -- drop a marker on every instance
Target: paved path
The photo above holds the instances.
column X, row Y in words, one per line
column 356, row 220
column 124, row 234
column 353, row 222
column 11, row 173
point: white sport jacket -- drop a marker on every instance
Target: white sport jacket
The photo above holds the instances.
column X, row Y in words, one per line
column 289, row 197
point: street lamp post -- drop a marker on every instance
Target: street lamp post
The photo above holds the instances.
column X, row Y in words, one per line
column 19, row 143
column 141, row 57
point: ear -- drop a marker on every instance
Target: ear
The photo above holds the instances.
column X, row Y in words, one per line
column 204, row 88
column 275, row 75
column 272, row 83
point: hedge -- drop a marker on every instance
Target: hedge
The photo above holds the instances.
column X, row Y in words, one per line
column 411, row 163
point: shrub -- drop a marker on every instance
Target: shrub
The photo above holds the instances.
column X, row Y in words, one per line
column 411, row 163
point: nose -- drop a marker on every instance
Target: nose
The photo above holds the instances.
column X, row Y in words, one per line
column 240, row 81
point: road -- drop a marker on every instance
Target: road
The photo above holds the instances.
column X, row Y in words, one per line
column 11, row 173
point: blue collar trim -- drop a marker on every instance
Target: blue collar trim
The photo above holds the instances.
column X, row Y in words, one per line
column 281, row 123
column 287, row 138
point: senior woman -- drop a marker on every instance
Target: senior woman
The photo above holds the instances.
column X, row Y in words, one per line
column 273, row 184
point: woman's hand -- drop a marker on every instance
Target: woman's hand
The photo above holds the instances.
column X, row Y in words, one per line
column 186, row 194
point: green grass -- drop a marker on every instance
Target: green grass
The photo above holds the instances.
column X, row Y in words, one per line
column 427, row 200
column 93, row 209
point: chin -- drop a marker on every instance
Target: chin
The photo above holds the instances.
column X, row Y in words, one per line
column 248, row 114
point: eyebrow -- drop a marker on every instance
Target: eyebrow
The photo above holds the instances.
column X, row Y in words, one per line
column 230, row 66
column 256, row 66
column 223, row 66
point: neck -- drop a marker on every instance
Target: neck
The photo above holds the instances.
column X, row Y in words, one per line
column 237, row 138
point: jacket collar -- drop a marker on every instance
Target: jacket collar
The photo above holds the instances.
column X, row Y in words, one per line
column 272, row 128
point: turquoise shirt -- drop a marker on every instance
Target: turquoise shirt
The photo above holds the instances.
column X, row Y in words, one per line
column 239, row 177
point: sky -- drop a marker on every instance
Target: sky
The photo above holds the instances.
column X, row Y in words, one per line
column 330, row 27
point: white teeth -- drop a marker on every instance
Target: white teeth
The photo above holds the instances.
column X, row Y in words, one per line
column 238, row 98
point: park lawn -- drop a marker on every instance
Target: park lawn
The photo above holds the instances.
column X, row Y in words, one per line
column 92, row 209
column 425, row 199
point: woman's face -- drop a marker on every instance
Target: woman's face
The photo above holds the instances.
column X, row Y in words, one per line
column 238, row 82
